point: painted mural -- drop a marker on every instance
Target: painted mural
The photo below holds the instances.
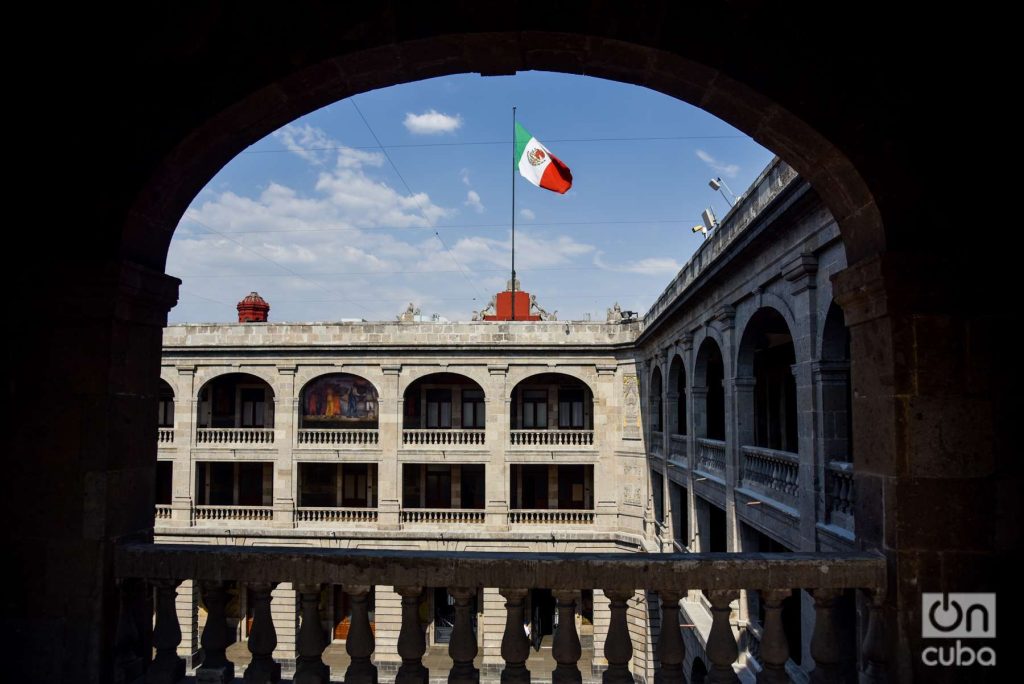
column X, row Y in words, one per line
column 340, row 400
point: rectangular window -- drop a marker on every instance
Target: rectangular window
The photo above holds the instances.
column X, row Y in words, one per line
column 439, row 408
column 570, row 409
column 254, row 408
column 535, row 409
column 166, row 413
column 473, row 409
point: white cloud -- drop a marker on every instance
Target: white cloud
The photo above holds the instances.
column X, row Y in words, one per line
column 310, row 143
column 473, row 201
column 659, row 266
column 730, row 170
column 432, row 122
column 527, row 214
column 464, row 175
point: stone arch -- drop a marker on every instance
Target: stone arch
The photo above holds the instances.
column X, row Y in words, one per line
column 654, row 402
column 204, row 375
column 165, row 405
column 551, row 400
column 782, row 307
column 709, row 393
column 834, row 344
column 235, row 400
column 677, row 395
column 339, row 400
column 766, row 409
column 443, row 400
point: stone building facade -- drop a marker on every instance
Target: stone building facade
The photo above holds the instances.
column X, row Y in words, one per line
column 718, row 422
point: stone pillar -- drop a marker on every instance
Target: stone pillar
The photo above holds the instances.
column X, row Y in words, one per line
column 389, row 477
column 609, row 427
column 497, row 474
column 726, row 317
column 284, row 609
column 832, row 443
column 932, row 424
column 492, row 626
column 387, row 625
column 185, row 604
column 286, row 422
column 183, row 479
column 92, row 329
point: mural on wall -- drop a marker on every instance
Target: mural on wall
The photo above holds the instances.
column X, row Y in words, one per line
column 340, row 400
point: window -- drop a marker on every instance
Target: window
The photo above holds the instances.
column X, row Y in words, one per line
column 535, row 409
column 473, row 409
column 254, row 408
column 570, row 409
column 439, row 408
column 166, row 412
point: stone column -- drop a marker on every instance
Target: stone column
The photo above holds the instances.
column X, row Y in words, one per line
column 183, row 479
column 91, row 327
column 389, row 478
column 286, row 421
column 831, row 387
column 726, row 317
column 609, row 421
column 497, row 474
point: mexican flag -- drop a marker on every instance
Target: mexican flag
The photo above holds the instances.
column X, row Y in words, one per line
column 537, row 165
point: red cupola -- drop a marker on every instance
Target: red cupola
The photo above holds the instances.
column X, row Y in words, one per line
column 253, row 309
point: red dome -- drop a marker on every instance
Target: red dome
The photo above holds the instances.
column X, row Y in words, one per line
column 253, row 309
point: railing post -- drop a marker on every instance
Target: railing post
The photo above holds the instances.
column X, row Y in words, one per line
column 566, row 648
column 411, row 642
column 360, row 643
column 128, row 662
column 462, row 647
column 216, row 668
column 515, row 646
column 874, row 641
column 824, row 642
column 310, row 642
column 670, row 643
column 167, row 667
column 618, row 647
column 721, row 648
column 774, row 647
column 262, row 639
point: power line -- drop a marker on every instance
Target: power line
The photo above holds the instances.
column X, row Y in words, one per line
column 399, row 272
column 469, row 143
column 266, row 258
column 413, row 196
column 467, row 226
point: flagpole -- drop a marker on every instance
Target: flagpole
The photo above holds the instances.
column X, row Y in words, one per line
column 514, row 213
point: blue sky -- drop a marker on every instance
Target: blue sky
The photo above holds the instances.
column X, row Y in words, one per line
column 320, row 221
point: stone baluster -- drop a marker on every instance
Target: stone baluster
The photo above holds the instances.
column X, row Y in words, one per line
column 874, row 646
column 515, row 646
column 216, row 668
column 721, row 648
column 411, row 643
column 774, row 647
column 262, row 639
column 128, row 662
column 824, row 642
column 167, row 667
column 670, row 643
column 360, row 643
column 310, row 641
column 566, row 649
column 462, row 647
column 618, row 646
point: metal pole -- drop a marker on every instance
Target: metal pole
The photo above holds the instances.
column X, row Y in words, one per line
column 514, row 164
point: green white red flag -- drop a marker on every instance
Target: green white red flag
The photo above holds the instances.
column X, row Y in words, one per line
column 537, row 165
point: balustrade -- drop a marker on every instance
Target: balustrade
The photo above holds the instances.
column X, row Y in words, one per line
column 711, row 457
column 839, row 493
column 335, row 515
column 773, row 473
column 551, row 438
column 163, row 512
column 235, row 437
column 550, row 517
column 443, row 515
column 335, row 438
column 243, row 513
column 443, row 438
column 165, row 435
column 618, row 575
